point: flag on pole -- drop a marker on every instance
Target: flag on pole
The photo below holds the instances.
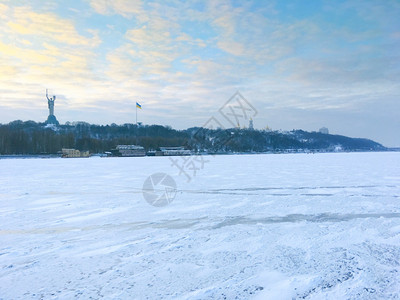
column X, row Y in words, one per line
column 138, row 105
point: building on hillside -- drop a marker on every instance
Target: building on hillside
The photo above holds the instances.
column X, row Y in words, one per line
column 128, row 151
column 69, row 153
column 251, row 126
column 324, row 130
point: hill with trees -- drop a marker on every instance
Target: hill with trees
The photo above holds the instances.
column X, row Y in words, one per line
column 29, row 137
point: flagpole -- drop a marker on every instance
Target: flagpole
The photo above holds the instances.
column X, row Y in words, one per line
column 137, row 129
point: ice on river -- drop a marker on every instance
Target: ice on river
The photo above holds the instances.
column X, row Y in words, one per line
column 303, row 226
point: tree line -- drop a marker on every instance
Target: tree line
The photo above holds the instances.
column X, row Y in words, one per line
column 29, row 137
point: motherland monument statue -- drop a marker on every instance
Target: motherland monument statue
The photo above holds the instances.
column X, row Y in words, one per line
column 51, row 119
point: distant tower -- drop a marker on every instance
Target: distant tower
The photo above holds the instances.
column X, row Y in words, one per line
column 51, row 119
column 324, row 130
column 251, row 127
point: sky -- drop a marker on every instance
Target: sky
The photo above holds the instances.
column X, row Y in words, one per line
column 300, row 64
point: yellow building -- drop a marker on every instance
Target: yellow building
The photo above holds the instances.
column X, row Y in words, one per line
column 68, row 153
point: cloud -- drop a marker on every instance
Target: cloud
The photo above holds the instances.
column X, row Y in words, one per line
column 126, row 8
column 50, row 27
column 25, row 55
column 3, row 10
column 6, row 71
column 231, row 47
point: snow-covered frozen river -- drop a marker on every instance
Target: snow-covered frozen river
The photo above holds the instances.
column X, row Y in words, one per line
column 303, row 226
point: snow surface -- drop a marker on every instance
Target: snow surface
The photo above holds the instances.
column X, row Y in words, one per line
column 303, row 226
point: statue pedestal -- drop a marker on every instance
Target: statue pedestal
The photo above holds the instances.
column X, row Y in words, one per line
column 52, row 120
